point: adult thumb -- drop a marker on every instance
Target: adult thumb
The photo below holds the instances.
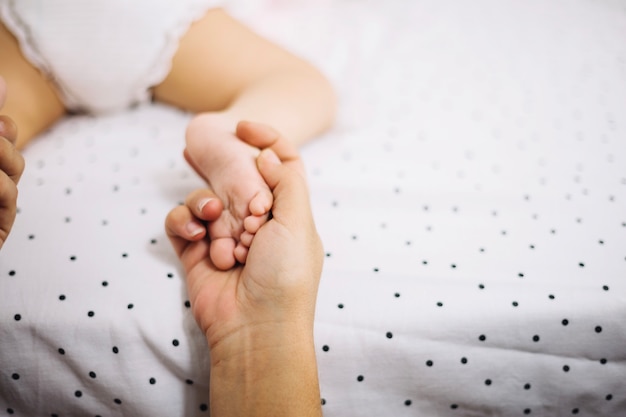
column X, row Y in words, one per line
column 291, row 195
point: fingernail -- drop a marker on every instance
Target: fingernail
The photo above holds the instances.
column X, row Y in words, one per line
column 271, row 157
column 203, row 203
column 194, row 229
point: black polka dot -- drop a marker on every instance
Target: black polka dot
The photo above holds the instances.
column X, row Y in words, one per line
column 575, row 411
column 175, row 342
column 609, row 397
column 130, row 306
column 527, row 411
column 78, row 394
column 115, row 350
column 72, row 258
column 464, row 360
column 15, row 376
column 454, row 406
column 536, row 338
column 360, row 378
column 204, row 407
column 152, row 381
column 91, row 314
column 389, row 335
column 429, row 363
column 10, row 411
column 565, row 322
column 323, row 401
column 17, row 317
column 188, row 382
column 61, row 351
column 527, row 386
column 566, row 368
column 62, row 297
column 488, row 382
column 339, row 305
column 187, row 304
column 325, row 348
column 598, row 329
column 12, row 273
column 482, row 337
column 408, row 402
column 105, row 283
column 117, row 401
column 92, row 374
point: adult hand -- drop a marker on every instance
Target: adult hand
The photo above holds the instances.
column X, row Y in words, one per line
column 11, row 168
column 280, row 278
column 258, row 317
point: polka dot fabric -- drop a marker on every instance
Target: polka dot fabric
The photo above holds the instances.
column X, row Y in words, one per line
column 471, row 201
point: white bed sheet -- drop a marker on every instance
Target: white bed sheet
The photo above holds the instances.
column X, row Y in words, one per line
column 471, row 200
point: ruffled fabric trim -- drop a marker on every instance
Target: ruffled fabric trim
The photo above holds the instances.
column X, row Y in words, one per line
column 157, row 71
column 29, row 49
column 163, row 64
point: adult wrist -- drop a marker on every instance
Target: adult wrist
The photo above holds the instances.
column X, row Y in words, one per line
column 272, row 372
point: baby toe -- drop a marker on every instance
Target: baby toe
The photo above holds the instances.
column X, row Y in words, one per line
column 246, row 239
column 241, row 253
column 261, row 203
column 252, row 224
column 222, row 253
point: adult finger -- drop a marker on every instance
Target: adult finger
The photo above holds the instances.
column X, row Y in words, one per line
column 8, row 128
column 11, row 160
column 182, row 228
column 291, row 196
column 263, row 136
column 8, row 201
column 186, row 223
column 204, row 204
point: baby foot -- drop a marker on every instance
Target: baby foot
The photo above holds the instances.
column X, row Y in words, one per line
column 229, row 166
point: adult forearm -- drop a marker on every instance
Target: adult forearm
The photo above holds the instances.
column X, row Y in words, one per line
column 270, row 374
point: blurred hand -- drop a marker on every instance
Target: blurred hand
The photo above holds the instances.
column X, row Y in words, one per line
column 11, row 168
